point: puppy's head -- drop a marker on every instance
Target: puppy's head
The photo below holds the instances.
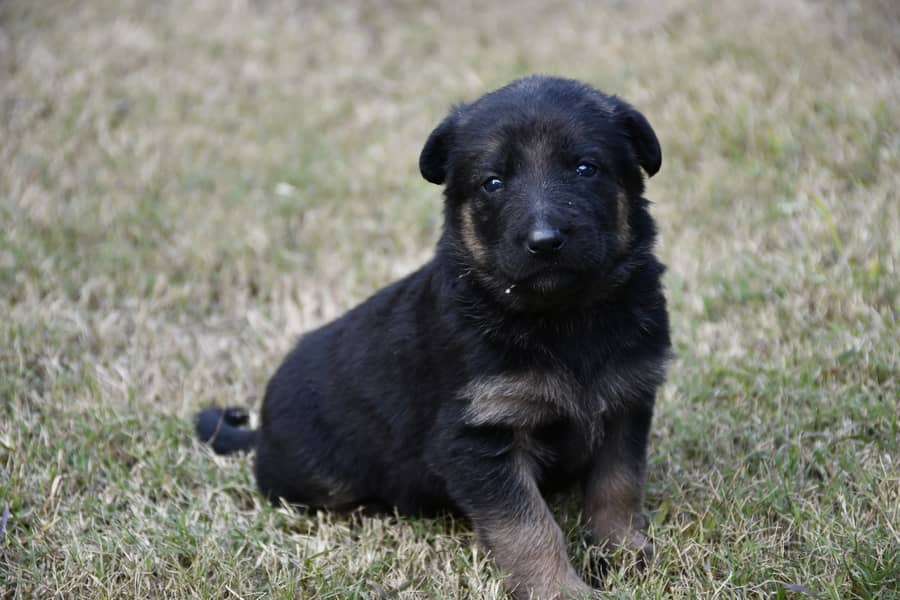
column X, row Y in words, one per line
column 541, row 178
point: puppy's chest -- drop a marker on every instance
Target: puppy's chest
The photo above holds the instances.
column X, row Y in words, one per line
column 527, row 400
column 531, row 399
column 553, row 420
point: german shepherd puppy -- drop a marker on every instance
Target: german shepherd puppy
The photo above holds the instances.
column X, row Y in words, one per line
column 522, row 359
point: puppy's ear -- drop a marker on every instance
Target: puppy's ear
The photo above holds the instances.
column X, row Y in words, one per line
column 643, row 139
column 435, row 154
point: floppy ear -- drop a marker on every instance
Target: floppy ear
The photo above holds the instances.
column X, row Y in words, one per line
column 643, row 139
column 433, row 160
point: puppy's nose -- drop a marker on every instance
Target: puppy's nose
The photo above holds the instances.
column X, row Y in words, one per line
column 545, row 240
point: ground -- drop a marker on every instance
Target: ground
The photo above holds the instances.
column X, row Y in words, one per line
column 185, row 187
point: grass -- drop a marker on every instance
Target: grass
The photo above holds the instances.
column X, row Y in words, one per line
column 186, row 187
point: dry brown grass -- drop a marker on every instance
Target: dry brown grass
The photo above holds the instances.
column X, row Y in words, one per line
column 185, row 187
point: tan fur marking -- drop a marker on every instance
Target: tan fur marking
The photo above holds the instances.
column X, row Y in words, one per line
column 530, row 547
column 613, row 504
column 623, row 228
column 521, row 400
column 469, row 235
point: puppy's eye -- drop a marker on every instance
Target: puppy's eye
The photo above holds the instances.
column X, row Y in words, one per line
column 492, row 184
column 586, row 170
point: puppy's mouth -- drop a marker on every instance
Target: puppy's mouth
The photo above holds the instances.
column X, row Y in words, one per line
column 545, row 283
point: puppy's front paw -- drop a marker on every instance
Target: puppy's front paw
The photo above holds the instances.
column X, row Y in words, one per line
column 643, row 548
column 638, row 548
column 573, row 589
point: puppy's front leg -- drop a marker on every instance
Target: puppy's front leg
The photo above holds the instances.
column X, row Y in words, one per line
column 499, row 494
column 614, row 488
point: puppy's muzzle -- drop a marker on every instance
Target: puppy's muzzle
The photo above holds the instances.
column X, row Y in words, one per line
column 545, row 241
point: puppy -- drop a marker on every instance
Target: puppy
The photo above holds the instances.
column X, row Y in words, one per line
column 522, row 359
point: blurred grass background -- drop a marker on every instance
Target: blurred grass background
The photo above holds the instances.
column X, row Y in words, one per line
column 186, row 187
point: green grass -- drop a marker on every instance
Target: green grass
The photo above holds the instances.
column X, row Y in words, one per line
column 186, row 187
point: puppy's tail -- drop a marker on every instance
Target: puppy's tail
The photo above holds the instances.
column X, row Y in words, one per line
column 221, row 428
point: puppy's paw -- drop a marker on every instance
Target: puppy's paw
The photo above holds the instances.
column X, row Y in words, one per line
column 576, row 590
column 634, row 550
column 641, row 547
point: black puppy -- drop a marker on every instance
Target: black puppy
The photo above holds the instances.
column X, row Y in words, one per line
column 524, row 358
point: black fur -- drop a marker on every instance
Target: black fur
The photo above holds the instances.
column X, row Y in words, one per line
column 508, row 363
column 219, row 428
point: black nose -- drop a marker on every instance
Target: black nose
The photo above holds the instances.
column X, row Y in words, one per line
column 545, row 240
